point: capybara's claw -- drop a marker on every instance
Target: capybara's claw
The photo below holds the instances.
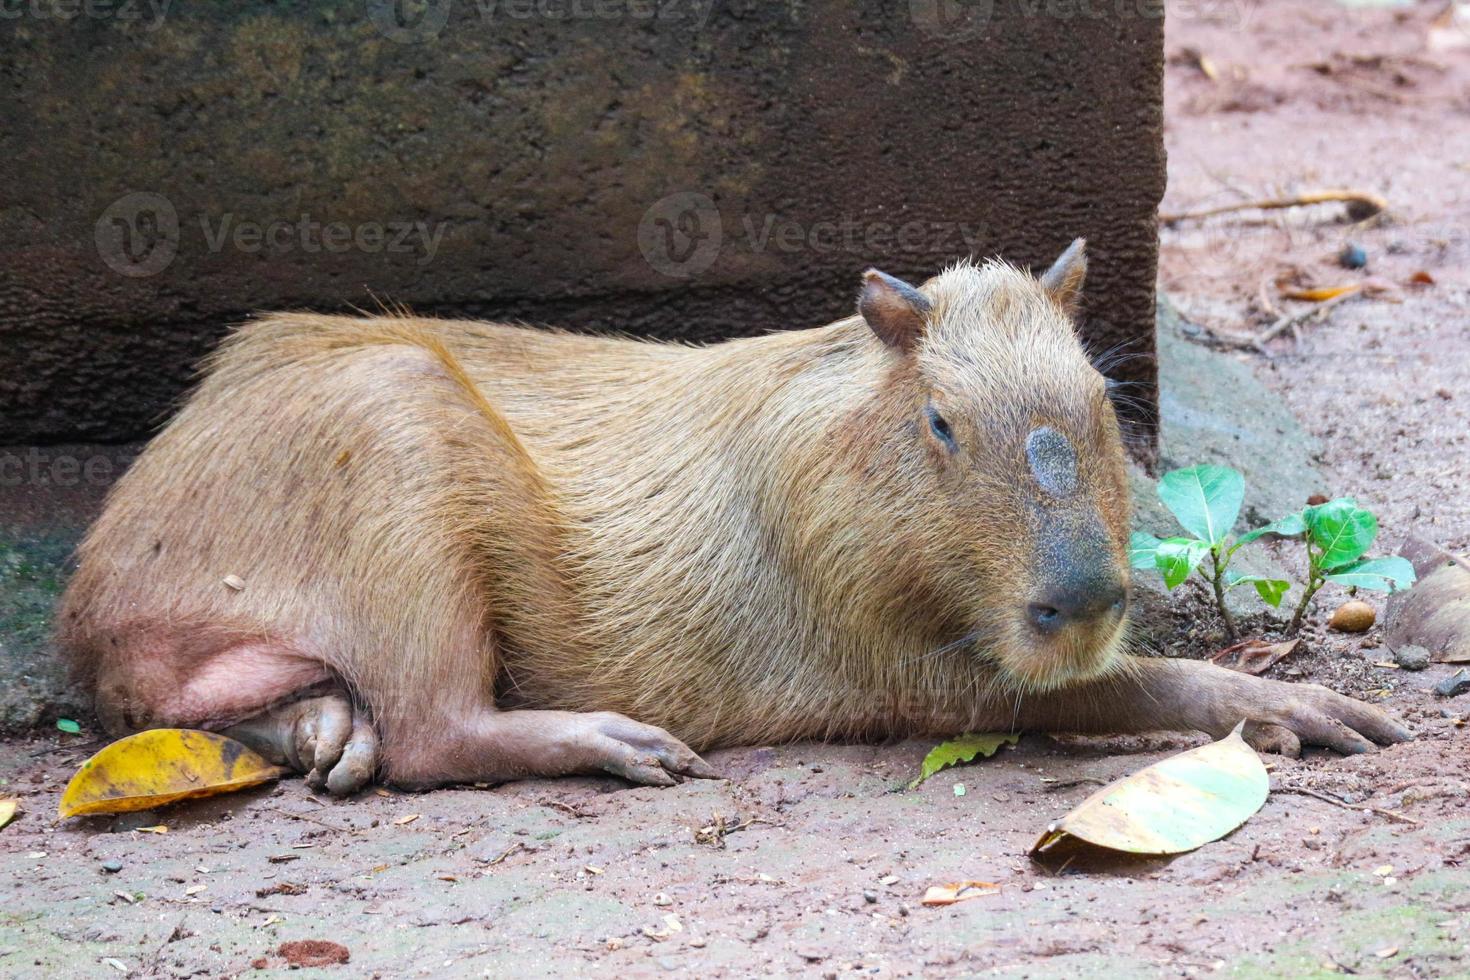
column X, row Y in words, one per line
column 1284, row 717
column 645, row 754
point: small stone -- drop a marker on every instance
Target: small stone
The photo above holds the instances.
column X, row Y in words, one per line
column 234, row 583
column 662, row 900
column 1353, row 616
column 870, row 896
column 1456, row 683
column 112, row 867
column 1411, row 657
column 1352, row 256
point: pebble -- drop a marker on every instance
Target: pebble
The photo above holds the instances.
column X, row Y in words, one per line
column 1352, row 256
column 1456, row 683
column 112, row 867
column 870, row 896
column 1411, row 657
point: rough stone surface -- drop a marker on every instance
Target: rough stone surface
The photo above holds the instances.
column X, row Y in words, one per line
column 727, row 169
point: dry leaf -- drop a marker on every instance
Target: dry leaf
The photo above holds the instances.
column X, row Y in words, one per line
column 161, row 766
column 1172, row 806
column 1254, row 656
column 959, row 891
column 1321, row 293
column 408, row 819
column 1435, row 612
column 1422, row 278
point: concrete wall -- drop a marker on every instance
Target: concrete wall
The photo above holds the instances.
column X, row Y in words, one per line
column 674, row 168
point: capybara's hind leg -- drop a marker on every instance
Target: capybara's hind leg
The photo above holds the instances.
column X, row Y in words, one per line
column 495, row 746
column 325, row 737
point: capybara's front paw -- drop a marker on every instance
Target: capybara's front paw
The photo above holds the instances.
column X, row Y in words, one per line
column 1283, row 717
column 640, row 753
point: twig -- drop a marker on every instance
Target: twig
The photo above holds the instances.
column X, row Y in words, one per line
column 1368, row 204
column 505, row 854
column 1390, row 814
column 319, row 823
column 174, row 935
column 1293, row 320
column 1069, row 784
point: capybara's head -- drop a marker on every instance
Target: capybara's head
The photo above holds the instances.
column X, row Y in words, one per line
column 1022, row 505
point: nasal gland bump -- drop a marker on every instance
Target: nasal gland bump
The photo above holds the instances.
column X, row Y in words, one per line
column 1053, row 461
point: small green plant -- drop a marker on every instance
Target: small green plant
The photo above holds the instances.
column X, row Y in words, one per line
column 1337, row 535
column 1206, row 501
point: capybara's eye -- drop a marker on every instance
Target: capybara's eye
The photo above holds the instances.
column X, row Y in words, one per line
column 941, row 429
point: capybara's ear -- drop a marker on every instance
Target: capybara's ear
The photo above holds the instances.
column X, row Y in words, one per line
column 1063, row 281
column 895, row 310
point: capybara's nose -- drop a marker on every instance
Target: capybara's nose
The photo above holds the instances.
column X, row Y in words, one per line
column 1063, row 607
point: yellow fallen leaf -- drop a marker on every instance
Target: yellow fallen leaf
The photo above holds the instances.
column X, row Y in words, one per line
column 7, row 810
column 1172, row 806
column 1320, row 293
column 959, row 891
column 155, row 829
column 162, row 766
column 410, row 818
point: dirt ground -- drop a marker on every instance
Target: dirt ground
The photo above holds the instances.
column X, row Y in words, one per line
column 827, row 855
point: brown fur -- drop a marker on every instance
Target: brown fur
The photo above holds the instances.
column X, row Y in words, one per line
column 753, row 541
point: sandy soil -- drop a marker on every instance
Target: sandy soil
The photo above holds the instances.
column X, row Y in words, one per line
column 824, row 874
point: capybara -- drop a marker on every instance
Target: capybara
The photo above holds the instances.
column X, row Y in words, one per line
column 442, row 551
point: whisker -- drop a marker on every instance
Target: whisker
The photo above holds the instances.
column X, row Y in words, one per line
column 968, row 638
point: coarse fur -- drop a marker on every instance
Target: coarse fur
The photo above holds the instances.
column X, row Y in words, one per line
column 753, row 541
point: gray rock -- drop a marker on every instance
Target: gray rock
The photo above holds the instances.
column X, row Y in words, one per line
column 1411, row 657
column 1456, row 683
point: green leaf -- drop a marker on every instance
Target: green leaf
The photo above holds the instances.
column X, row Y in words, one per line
column 68, row 726
column 1380, row 574
column 962, row 749
column 1271, row 590
column 1341, row 530
column 1142, row 548
column 1287, row 527
column 1176, row 805
column 1177, row 557
column 1205, row 499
